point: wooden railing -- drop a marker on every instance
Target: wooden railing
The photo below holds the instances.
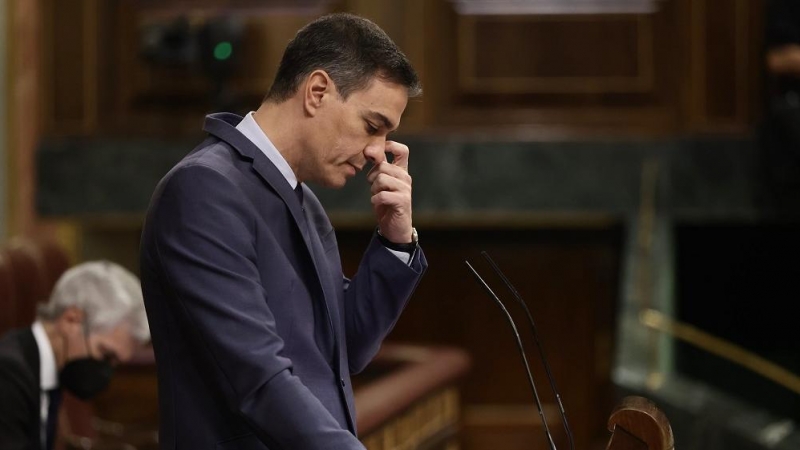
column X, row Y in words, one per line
column 415, row 405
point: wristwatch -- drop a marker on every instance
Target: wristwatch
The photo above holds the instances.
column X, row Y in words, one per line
column 409, row 247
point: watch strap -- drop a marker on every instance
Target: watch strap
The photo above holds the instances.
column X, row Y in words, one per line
column 407, row 247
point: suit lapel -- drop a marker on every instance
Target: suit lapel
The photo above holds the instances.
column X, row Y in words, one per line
column 222, row 126
column 323, row 268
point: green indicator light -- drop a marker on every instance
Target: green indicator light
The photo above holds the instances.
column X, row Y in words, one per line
column 223, row 51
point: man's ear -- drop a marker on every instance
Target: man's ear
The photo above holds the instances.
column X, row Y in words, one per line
column 317, row 88
column 71, row 317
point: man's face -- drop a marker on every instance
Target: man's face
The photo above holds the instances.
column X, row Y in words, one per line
column 352, row 132
column 116, row 345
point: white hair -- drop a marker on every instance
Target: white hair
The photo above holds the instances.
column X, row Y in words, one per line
column 107, row 293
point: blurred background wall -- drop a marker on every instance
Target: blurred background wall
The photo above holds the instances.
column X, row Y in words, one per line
column 4, row 195
column 606, row 153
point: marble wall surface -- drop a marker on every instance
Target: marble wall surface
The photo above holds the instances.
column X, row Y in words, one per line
column 696, row 177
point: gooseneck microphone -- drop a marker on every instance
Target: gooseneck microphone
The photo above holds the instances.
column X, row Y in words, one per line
column 521, row 352
column 550, row 378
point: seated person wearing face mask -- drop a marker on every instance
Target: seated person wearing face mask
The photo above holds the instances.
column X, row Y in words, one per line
column 95, row 318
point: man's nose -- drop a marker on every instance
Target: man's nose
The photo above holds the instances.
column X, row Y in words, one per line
column 375, row 152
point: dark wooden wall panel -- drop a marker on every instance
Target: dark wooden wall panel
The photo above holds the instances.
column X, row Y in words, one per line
column 698, row 66
column 148, row 92
column 70, row 60
column 721, row 35
column 690, row 65
column 265, row 37
column 554, row 54
column 725, row 62
column 566, row 73
column 97, row 81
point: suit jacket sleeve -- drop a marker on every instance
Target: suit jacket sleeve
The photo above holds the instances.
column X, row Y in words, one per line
column 203, row 233
column 17, row 410
column 374, row 299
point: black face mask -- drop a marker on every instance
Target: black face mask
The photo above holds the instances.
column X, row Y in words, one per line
column 86, row 377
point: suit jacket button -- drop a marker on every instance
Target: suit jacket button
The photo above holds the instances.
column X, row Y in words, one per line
column 342, row 381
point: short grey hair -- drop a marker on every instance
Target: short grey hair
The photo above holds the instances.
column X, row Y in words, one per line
column 107, row 293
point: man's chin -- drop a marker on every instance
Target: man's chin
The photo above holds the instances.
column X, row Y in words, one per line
column 335, row 183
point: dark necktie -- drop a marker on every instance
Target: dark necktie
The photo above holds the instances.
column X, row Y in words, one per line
column 298, row 191
column 319, row 258
column 54, row 396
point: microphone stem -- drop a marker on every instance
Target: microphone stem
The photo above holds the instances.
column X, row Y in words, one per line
column 530, row 380
column 550, row 377
column 535, row 334
column 510, row 320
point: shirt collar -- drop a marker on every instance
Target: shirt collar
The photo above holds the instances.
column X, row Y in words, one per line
column 250, row 129
column 47, row 359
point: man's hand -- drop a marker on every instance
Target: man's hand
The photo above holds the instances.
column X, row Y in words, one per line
column 391, row 194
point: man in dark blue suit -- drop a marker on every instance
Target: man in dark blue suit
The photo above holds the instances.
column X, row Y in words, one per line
column 255, row 329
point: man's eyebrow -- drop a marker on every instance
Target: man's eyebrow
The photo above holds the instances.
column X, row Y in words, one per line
column 374, row 115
